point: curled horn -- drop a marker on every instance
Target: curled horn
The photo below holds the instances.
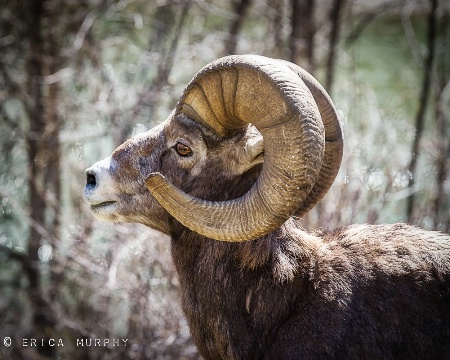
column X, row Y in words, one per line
column 334, row 142
column 273, row 95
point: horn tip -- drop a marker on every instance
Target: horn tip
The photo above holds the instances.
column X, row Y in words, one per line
column 155, row 180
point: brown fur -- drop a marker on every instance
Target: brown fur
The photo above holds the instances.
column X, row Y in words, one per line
column 359, row 292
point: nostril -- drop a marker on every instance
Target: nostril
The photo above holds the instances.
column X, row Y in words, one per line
column 90, row 179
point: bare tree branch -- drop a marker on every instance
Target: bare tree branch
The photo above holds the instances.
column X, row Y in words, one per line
column 366, row 19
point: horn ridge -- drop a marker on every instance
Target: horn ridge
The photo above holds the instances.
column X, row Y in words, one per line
column 334, row 143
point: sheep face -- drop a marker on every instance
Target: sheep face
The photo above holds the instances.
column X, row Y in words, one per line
column 189, row 155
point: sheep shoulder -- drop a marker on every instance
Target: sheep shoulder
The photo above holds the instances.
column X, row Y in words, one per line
column 395, row 250
column 363, row 291
column 374, row 291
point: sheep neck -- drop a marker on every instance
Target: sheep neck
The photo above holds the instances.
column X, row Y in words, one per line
column 234, row 294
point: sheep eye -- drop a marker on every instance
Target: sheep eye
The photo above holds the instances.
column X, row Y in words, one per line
column 183, row 150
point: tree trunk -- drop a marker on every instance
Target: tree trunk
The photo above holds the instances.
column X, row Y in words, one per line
column 37, row 151
column 301, row 40
column 441, row 201
column 276, row 28
column 335, row 19
column 240, row 11
column 52, row 178
column 423, row 102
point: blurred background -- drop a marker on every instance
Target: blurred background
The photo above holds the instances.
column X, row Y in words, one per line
column 77, row 78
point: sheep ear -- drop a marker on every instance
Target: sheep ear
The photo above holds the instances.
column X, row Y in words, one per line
column 254, row 150
column 252, row 153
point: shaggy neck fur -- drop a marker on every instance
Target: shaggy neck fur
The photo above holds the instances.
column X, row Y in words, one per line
column 235, row 295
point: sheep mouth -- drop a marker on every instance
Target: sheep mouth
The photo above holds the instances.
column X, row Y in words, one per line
column 95, row 207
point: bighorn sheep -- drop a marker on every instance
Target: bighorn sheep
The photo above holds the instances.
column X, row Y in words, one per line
column 254, row 285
